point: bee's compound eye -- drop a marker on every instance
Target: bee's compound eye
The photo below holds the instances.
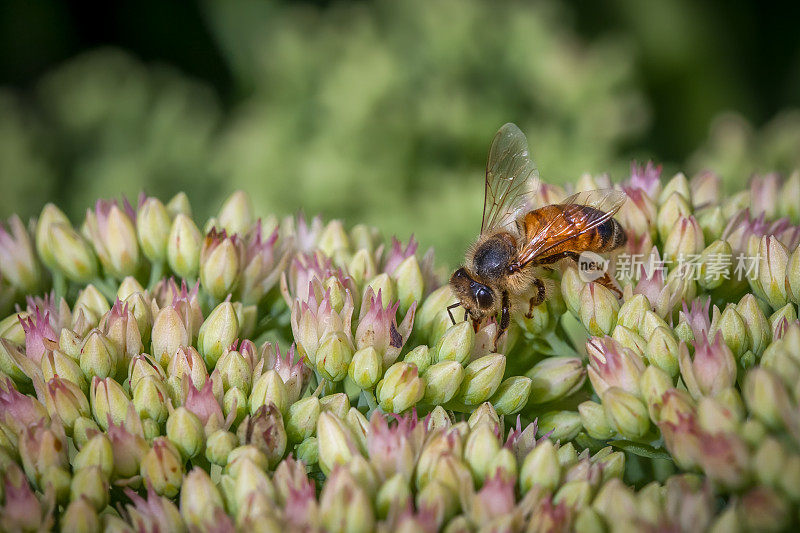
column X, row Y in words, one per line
column 484, row 297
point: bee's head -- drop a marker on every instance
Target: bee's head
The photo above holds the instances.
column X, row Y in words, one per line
column 476, row 298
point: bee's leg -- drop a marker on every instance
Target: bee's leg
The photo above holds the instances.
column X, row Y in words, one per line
column 607, row 282
column 536, row 300
column 505, row 320
column 466, row 314
column 449, row 312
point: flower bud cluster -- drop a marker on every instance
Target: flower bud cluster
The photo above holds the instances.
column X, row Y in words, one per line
column 254, row 373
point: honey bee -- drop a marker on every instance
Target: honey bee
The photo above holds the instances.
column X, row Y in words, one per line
column 502, row 270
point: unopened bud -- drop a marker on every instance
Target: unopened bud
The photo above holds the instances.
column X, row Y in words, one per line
column 183, row 247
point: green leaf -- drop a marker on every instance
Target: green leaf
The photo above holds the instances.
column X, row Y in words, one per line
column 643, row 450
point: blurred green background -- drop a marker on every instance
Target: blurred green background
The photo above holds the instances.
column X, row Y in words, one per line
column 382, row 111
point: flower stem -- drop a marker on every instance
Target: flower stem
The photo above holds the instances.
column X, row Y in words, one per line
column 59, row 285
column 156, row 273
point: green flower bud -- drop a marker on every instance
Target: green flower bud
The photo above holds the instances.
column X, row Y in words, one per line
column 758, row 326
column 334, row 238
column 217, row 333
column 179, row 205
column 439, row 501
column 92, row 302
column 83, row 429
column 382, row 283
column 594, row 421
column 684, row 240
column 671, row 210
column 186, row 432
column 433, row 310
column 481, row 446
column 712, row 220
column 556, row 377
column 539, row 322
column 410, row 283
column 482, row 378
column 365, row 368
column 588, row 521
column 631, row 313
column 333, row 356
column 71, row 254
column 678, row 184
column 393, row 494
column 576, row 494
column 308, row 451
column 336, row 442
column 613, row 464
column 69, row 343
column 56, row 363
column 765, row 396
column 540, row 468
column 219, row 445
column 456, row 343
column 242, row 459
column 201, row 501
column 776, row 319
column 650, row 322
column 420, row 356
column 235, row 371
column 662, row 350
column 571, row 287
column 80, row 517
column 65, row 400
column 562, row 425
column 442, row 382
column 108, row 401
column 96, row 451
column 153, row 228
column 438, row 419
column 401, row 388
column 629, row 339
column 169, row 334
column 11, row 328
column 773, row 258
column 49, row 216
column 236, row 214
column 183, row 247
column 362, row 266
column 512, row 395
column 90, row 484
column 113, row 234
column 653, row 383
column 567, row 455
column 734, row 331
column 504, row 464
column 302, row 419
column 221, row 260
column 269, row 387
column 19, row 265
column 162, row 468
column 344, row 505
column 235, row 401
column 716, row 265
column 626, row 413
column 769, row 461
column 598, row 309
column 150, row 399
column 99, row 357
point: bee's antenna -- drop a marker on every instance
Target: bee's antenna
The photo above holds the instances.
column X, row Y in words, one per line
column 449, row 312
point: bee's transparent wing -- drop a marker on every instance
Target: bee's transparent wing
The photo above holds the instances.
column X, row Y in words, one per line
column 511, row 177
column 572, row 221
